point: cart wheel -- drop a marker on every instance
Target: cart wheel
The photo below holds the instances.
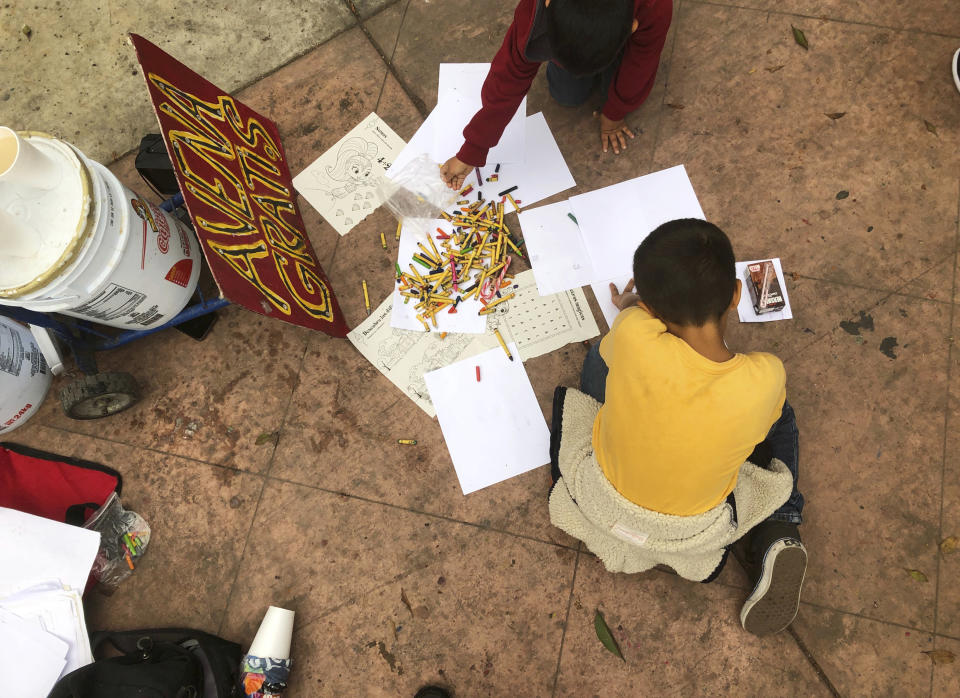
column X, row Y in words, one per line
column 99, row 395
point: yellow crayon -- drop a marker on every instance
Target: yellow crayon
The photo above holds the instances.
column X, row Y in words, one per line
column 399, row 228
column 407, row 442
column 503, row 344
column 366, row 297
column 383, row 241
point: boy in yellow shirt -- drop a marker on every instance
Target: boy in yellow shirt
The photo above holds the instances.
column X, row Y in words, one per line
column 681, row 412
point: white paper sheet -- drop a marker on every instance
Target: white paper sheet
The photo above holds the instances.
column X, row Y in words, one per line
column 342, row 183
column 493, row 427
column 537, row 324
column 37, row 657
column 557, row 253
column 615, row 219
column 36, row 549
column 404, row 315
column 458, row 101
column 421, row 143
column 745, row 306
column 58, row 611
column 601, row 289
column 543, row 172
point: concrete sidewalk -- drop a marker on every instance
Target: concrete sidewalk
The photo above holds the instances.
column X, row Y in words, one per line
column 397, row 578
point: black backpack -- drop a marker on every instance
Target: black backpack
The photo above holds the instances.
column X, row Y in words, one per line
column 163, row 663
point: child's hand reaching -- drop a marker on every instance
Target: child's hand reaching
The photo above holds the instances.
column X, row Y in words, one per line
column 625, row 299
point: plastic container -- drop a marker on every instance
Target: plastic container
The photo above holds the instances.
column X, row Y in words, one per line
column 24, row 376
column 105, row 254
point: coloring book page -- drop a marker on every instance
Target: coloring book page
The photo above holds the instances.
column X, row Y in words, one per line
column 538, row 324
column 342, row 183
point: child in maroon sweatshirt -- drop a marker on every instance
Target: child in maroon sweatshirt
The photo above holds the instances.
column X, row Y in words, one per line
column 615, row 44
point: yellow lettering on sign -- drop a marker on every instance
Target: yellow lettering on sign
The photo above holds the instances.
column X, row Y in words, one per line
column 202, row 143
column 317, row 303
column 241, row 258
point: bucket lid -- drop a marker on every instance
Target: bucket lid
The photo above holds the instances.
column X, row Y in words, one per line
column 62, row 217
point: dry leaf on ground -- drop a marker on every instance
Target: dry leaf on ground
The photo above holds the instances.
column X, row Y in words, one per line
column 941, row 656
column 267, row 437
column 605, row 636
column 950, row 544
column 916, row 574
column 800, row 38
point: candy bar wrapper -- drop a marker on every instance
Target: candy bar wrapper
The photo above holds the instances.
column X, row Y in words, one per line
column 764, row 287
column 264, row 677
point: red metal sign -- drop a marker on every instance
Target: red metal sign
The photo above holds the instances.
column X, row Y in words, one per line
column 237, row 187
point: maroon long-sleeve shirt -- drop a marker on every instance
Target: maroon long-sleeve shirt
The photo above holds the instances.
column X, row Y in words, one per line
column 518, row 60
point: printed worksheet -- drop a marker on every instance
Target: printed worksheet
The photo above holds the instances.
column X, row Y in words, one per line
column 537, row 324
column 342, row 183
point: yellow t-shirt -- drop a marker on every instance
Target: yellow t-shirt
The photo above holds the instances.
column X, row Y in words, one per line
column 676, row 426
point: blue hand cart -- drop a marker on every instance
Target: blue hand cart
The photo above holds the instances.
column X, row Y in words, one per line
column 101, row 394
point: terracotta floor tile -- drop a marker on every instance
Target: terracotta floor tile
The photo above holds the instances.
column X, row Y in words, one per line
column 869, row 516
column 939, row 16
column 863, row 657
column 948, row 609
column 771, row 168
column 946, row 677
column 476, row 599
column 385, row 26
column 206, row 400
column 368, row 8
column 199, row 516
column 677, row 638
column 342, row 435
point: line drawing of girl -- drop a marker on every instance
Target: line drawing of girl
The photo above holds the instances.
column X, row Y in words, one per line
column 352, row 168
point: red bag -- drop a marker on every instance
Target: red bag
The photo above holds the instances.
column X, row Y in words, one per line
column 54, row 487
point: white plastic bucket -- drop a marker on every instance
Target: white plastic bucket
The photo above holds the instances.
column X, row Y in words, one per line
column 24, row 376
column 136, row 266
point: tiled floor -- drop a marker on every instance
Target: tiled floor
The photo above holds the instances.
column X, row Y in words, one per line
column 338, row 523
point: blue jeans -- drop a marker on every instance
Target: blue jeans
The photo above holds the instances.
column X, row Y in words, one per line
column 782, row 440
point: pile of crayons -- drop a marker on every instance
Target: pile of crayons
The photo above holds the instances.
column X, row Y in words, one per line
column 133, row 545
column 472, row 261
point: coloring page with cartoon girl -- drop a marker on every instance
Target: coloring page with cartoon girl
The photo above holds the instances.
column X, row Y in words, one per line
column 342, row 183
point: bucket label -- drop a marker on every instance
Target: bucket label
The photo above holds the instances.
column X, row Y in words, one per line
column 112, row 303
column 180, row 272
column 12, row 351
column 17, row 415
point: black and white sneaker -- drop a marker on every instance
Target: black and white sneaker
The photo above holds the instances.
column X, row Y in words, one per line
column 956, row 68
column 779, row 563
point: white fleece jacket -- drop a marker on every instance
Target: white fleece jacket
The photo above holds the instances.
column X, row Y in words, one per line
column 629, row 538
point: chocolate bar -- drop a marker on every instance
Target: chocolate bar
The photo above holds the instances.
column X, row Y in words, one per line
column 764, row 287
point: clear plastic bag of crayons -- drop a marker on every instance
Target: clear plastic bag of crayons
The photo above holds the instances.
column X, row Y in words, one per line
column 124, row 536
column 417, row 192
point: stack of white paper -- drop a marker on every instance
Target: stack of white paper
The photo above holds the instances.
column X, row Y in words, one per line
column 41, row 612
column 37, row 656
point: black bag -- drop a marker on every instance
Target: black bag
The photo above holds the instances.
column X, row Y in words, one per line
column 163, row 663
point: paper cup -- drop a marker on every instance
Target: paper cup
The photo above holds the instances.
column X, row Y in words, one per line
column 22, row 163
column 273, row 637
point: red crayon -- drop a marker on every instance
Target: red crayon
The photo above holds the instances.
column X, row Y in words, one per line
column 478, row 374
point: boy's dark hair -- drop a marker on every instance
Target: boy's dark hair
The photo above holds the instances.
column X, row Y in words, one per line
column 684, row 272
column 587, row 35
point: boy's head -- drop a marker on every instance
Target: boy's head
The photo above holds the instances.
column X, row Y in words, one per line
column 684, row 272
column 587, row 35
